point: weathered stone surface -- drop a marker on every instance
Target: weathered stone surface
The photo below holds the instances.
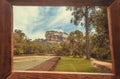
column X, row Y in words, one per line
column 55, row 36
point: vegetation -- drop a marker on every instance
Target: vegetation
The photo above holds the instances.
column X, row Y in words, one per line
column 73, row 46
column 93, row 18
column 100, row 47
column 76, row 64
column 94, row 42
column 84, row 15
column 25, row 46
column 77, row 44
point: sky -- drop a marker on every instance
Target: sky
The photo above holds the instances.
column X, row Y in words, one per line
column 34, row 21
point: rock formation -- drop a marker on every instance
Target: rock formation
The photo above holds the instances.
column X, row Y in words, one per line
column 55, row 36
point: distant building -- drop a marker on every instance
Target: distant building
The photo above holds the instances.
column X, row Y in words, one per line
column 55, row 36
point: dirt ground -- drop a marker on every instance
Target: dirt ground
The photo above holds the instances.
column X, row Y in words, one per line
column 102, row 65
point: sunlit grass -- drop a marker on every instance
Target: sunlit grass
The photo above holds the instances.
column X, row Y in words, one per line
column 71, row 64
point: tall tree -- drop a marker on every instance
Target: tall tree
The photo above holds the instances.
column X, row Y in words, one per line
column 83, row 15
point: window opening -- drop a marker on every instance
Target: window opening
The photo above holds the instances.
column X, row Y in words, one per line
column 54, row 39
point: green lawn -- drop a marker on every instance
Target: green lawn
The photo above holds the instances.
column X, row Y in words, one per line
column 26, row 62
column 71, row 64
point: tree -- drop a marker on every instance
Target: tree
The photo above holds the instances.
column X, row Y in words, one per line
column 28, row 46
column 100, row 39
column 19, row 36
column 19, row 42
column 64, row 49
column 75, row 40
column 24, row 45
column 84, row 13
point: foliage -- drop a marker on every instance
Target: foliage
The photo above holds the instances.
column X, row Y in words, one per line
column 75, row 40
column 73, row 46
column 100, row 40
column 93, row 18
column 19, row 42
column 23, row 45
column 64, row 49
column 83, row 15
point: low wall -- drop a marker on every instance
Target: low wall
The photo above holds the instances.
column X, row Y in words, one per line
column 48, row 65
column 105, row 66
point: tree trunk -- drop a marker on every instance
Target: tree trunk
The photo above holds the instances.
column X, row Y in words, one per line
column 87, row 28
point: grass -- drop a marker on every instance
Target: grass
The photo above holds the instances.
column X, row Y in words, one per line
column 26, row 62
column 71, row 64
column 66, row 64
